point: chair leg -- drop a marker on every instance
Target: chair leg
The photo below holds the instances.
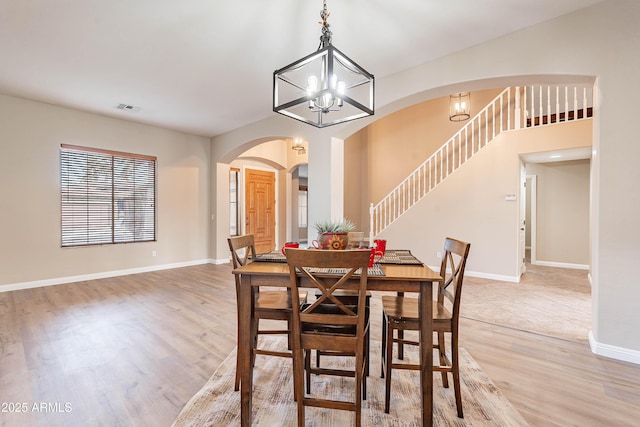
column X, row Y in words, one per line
column 383, row 350
column 367, row 347
column 298, row 384
column 289, row 319
column 361, row 387
column 400, row 344
column 387, row 374
column 255, row 325
column 364, row 367
column 443, row 358
column 307, row 369
column 455, row 370
column 236, row 385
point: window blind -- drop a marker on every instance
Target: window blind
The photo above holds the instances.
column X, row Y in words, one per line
column 107, row 197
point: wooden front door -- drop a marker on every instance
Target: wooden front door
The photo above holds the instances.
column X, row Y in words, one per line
column 260, row 206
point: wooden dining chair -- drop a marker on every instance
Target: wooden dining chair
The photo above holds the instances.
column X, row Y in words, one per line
column 273, row 305
column 400, row 313
column 328, row 324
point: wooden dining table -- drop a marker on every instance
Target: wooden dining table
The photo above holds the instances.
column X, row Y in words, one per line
column 396, row 278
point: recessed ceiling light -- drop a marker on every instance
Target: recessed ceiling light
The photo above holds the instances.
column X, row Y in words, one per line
column 556, row 156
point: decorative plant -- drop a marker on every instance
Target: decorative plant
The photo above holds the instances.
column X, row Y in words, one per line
column 336, row 226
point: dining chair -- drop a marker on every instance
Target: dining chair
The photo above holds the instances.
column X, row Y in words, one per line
column 400, row 313
column 272, row 305
column 328, row 324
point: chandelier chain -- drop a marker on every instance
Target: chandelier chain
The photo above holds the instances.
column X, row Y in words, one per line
column 325, row 38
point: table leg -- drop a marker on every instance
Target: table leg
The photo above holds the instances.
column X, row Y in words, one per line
column 244, row 350
column 425, row 307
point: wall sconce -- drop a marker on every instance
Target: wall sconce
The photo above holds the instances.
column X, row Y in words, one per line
column 459, row 106
column 298, row 145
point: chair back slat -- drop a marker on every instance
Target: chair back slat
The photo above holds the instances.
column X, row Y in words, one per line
column 242, row 249
column 452, row 268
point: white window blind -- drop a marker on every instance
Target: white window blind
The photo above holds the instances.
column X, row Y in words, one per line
column 106, row 197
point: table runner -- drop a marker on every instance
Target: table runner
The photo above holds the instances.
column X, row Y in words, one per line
column 371, row 271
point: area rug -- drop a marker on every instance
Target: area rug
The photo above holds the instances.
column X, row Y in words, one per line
column 217, row 404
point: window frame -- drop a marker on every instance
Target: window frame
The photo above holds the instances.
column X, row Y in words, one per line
column 106, row 197
column 303, row 210
column 236, row 202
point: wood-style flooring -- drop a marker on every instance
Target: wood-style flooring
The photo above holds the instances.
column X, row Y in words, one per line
column 132, row 350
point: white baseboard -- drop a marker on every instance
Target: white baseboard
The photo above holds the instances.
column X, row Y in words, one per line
column 500, row 277
column 561, row 265
column 468, row 273
column 103, row 275
column 613, row 352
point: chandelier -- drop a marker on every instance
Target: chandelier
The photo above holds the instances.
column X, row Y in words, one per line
column 459, row 106
column 324, row 88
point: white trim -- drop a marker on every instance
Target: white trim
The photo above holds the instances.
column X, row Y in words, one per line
column 513, row 279
column 533, row 227
column 562, row 265
column 467, row 273
column 614, row 352
column 103, row 275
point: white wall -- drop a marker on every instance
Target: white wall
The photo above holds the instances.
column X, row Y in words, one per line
column 562, row 213
column 470, row 204
column 30, row 252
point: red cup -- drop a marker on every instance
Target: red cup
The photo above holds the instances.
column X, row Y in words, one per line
column 289, row 245
column 374, row 257
column 380, row 245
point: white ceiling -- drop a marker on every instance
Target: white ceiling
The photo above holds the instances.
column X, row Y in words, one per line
column 205, row 66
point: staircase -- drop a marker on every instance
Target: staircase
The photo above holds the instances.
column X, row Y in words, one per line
column 513, row 109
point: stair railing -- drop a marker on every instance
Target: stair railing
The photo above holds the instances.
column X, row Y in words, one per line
column 514, row 108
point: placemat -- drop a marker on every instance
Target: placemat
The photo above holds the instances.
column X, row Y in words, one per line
column 399, row 256
column 273, row 256
column 371, row 271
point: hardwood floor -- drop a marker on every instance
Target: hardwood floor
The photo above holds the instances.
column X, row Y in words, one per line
column 132, row 350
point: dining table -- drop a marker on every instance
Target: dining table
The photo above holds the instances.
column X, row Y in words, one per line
column 399, row 273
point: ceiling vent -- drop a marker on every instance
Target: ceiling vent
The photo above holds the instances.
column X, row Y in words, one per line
column 127, row 107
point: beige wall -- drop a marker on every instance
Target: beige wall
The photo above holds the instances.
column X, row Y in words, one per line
column 400, row 142
column 470, row 204
column 30, row 137
column 562, row 214
column 356, row 180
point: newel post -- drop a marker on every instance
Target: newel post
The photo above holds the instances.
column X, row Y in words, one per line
column 371, row 224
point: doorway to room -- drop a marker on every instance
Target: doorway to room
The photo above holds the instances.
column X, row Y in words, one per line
column 260, row 208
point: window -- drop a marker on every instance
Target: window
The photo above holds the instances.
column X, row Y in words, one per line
column 234, row 212
column 106, row 197
column 302, row 206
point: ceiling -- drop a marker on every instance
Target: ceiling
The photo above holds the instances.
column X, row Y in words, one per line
column 205, row 67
